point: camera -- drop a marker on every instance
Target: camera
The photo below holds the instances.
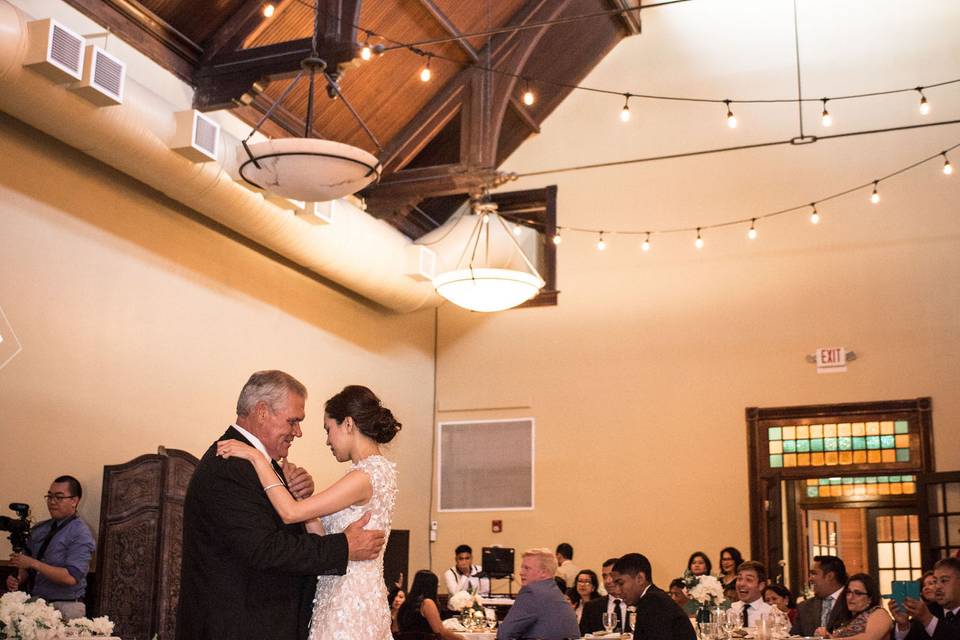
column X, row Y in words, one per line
column 18, row 527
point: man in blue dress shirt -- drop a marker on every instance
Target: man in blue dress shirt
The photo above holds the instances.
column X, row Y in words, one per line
column 55, row 564
column 539, row 610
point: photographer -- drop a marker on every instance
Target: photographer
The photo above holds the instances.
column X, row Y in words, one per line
column 54, row 566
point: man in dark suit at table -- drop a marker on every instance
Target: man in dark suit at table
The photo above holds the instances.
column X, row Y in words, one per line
column 245, row 574
column 921, row 623
column 828, row 575
column 591, row 619
column 658, row 616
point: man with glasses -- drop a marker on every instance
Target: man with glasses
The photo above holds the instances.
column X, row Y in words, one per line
column 55, row 564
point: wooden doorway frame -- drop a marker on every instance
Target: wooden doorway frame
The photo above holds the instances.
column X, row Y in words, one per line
column 766, row 518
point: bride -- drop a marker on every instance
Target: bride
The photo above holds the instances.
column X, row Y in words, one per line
column 352, row 606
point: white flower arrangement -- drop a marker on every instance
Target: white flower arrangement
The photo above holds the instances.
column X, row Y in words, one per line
column 706, row 590
column 465, row 600
column 25, row 619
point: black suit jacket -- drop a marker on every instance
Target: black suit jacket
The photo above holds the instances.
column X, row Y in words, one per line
column 245, row 574
column 660, row 618
column 946, row 630
column 808, row 616
column 591, row 616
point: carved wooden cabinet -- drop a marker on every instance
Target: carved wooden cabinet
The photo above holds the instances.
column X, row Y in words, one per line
column 141, row 535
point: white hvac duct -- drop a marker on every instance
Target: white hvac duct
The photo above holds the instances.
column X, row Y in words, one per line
column 363, row 254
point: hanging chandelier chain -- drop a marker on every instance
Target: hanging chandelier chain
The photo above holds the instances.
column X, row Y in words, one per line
column 518, row 247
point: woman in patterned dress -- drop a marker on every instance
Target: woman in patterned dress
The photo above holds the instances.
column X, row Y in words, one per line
column 352, row 606
column 869, row 621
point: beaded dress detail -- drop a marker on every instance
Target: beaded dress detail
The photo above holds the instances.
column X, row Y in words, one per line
column 354, row 606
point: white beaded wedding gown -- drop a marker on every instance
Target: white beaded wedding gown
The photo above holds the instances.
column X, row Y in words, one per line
column 354, row 606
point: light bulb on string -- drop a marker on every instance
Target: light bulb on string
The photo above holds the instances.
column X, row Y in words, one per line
column 269, row 10
column 875, row 196
column 947, row 167
column 814, row 216
column 698, row 243
column 731, row 119
column 625, row 112
column 752, row 232
column 366, row 53
column 825, row 118
column 517, row 229
column 646, row 243
column 601, row 245
column 924, row 105
column 556, row 237
column 425, row 72
column 528, row 97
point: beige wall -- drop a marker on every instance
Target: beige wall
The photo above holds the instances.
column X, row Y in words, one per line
column 140, row 324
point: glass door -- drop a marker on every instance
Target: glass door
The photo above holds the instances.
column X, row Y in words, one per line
column 894, row 548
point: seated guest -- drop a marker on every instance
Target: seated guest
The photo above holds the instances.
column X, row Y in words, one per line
column 928, row 587
column 777, row 595
column 730, row 559
column 55, row 564
column 914, row 619
column 419, row 612
column 462, row 576
column 827, row 608
column 591, row 619
column 751, row 581
column 730, row 593
column 584, row 591
column 395, row 598
column 658, row 617
column 678, row 593
column 539, row 610
column 699, row 564
column 869, row 621
column 565, row 567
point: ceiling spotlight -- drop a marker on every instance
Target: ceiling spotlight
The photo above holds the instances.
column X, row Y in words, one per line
column 731, row 119
column 269, row 10
column 625, row 112
column 752, row 233
column 825, row 117
column 425, row 72
column 814, row 216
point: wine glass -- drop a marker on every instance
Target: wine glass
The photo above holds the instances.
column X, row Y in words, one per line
column 491, row 618
column 734, row 621
column 608, row 620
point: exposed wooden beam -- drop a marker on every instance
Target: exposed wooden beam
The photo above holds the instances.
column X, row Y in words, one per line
column 631, row 19
column 523, row 112
column 450, row 28
column 230, row 36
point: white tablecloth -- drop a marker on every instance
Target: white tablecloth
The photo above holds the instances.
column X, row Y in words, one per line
column 479, row 636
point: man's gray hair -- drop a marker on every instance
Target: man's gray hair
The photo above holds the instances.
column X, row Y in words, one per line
column 270, row 387
column 546, row 558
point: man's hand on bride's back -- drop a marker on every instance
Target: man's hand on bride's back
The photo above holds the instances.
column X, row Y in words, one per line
column 363, row 544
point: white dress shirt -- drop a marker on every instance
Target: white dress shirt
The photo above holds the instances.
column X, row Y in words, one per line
column 456, row 581
column 931, row 627
column 758, row 608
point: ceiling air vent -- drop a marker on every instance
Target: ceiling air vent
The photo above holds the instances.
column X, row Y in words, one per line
column 318, row 213
column 103, row 78
column 421, row 262
column 54, row 51
column 197, row 136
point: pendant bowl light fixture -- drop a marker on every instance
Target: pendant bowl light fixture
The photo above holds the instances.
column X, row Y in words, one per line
column 478, row 286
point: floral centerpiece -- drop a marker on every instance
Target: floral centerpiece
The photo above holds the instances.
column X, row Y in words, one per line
column 470, row 606
column 24, row 619
column 706, row 590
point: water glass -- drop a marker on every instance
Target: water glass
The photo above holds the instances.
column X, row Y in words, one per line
column 608, row 620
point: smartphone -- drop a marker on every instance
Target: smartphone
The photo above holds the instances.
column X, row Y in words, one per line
column 903, row 589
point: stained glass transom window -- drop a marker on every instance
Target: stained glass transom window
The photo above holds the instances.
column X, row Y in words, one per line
column 866, row 486
column 844, row 443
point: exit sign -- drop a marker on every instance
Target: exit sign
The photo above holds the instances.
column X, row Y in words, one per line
column 831, row 360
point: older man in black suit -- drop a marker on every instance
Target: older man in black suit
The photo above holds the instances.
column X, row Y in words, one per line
column 658, row 616
column 828, row 575
column 922, row 624
column 245, row 574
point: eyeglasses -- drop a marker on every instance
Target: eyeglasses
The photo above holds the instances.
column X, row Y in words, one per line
column 56, row 498
column 857, row 593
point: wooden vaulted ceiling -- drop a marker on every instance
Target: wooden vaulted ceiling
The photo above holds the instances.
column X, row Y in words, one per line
column 443, row 139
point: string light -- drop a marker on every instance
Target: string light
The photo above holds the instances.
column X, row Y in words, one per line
column 947, row 168
column 875, row 196
column 752, row 233
column 366, row 53
column 825, row 117
column 556, row 238
column 517, row 229
column 646, row 243
column 924, row 105
column 625, row 112
column 698, row 243
column 814, row 216
column 425, row 72
column 269, row 10
column 731, row 119
column 528, row 97
column 601, row 245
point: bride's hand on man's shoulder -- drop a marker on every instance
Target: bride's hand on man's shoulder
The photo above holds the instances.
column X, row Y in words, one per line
column 235, row 449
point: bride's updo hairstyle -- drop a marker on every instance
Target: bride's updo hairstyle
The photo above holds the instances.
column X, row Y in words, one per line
column 373, row 419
